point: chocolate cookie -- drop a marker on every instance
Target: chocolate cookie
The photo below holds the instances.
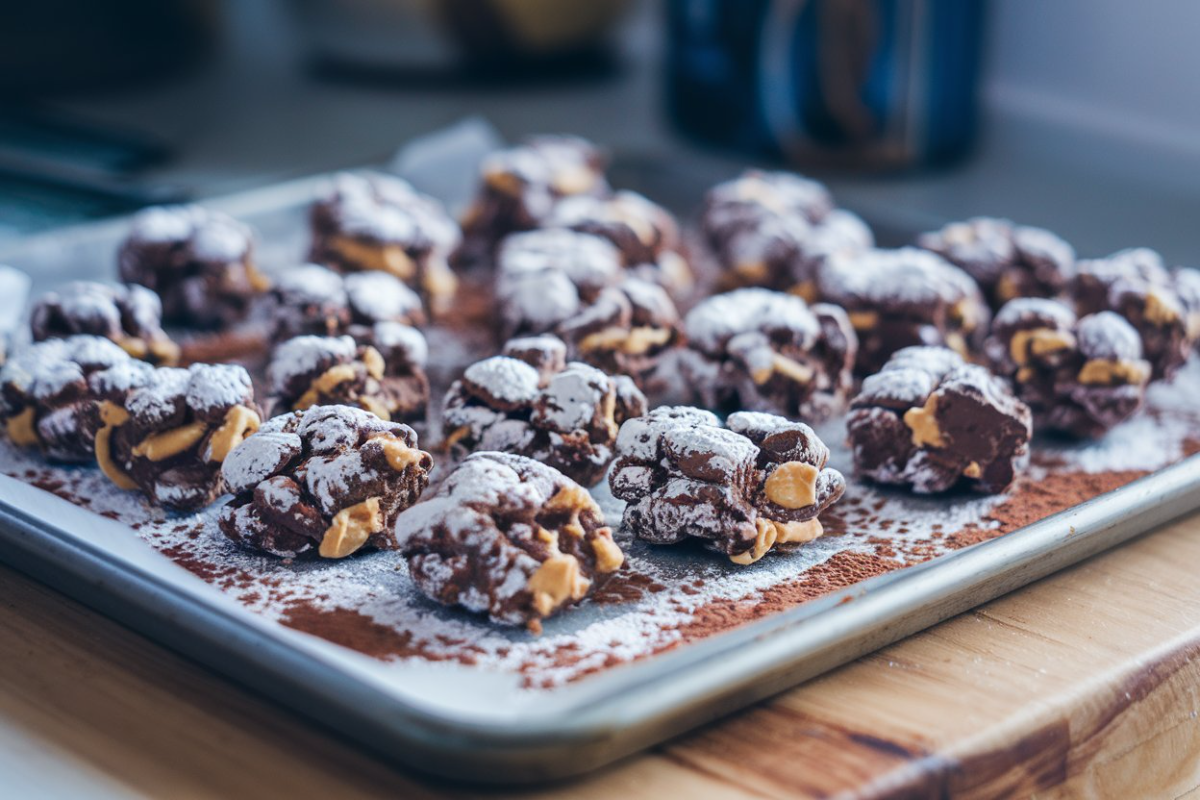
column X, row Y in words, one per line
column 376, row 222
column 51, row 393
column 626, row 331
column 746, row 490
column 1079, row 377
column 930, row 421
column 519, row 186
column 772, row 229
column 1135, row 284
column 901, row 298
column 170, row 435
column 330, row 477
column 199, row 261
column 760, row 350
column 129, row 315
column 645, row 234
column 1006, row 260
column 388, row 380
column 510, row 537
column 312, row 300
column 531, row 402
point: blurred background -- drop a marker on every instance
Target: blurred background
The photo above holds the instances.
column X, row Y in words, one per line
column 1079, row 115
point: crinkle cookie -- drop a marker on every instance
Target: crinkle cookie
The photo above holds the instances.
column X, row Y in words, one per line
column 1078, row 376
column 545, row 277
column 759, row 350
column 929, row 421
column 901, row 298
column 199, row 261
column 51, row 393
column 170, row 435
column 530, row 401
column 645, row 234
column 379, row 223
column 129, row 315
column 1006, row 260
column 510, row 537
column 383, row 374
column 330, row 478
column 772, row 230
column 312, row 300
column 755, row 487
column 1135, row 284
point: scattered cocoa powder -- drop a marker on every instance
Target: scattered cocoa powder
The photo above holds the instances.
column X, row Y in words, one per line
column 359, row 632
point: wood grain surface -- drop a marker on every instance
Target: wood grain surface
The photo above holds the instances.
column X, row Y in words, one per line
column 1085, row 684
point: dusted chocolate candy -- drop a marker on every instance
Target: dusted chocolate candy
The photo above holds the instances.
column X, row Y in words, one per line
column 931, row 421
column 1079, row 377
column 51, row 393
column 519, row 186
column 375, row 222
column 644, row 232
column 510, row 537
column 759, row 350
column 772, row 229
column 1006, row 260
column 310, row 299
column 545, row 277
column 170, row 435
column 199, row 262
column 1135, row 284
column 530, row 401
column 625, row 331
column 900, row 298
column 384, row 374
column 332, row 478
column 746, row 490
column 130, row 316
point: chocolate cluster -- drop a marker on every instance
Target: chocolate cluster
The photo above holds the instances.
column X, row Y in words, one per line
column 128, row 315
column 755, row 487
column 530, row 401
column 902, row 298
column 383, row 372
column 51, row 393
column 379, row 223
column 759, row 350
column 199, row 261
column 330, row 478
column 1078, row 376
column 1006, row 260
column 169, row 436
column 312, row 300
column 772, row 230
column 930, row 421
column 510, row 537
column 1135, row 284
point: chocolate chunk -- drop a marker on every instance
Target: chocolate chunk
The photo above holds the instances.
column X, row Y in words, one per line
column 932, row 422
column 530, row 402
column 379, row 223
column 199, row 261
column 169, row 436
column 129, row 315
column 330, row 478
column 1079, row 377
column 902, row 298
column 1006, row 260
column 760, row 350
column 755, row 487
column 510, row 537
column 312, row 300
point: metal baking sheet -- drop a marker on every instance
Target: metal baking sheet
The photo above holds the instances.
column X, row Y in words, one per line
column 487, row 722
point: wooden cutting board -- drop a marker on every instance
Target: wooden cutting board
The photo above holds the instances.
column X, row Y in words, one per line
column 1087, row 683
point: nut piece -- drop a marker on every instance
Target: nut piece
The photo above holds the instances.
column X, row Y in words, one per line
column 556, row 581
column 792, row 484
column 161, row 446
column 924, row 425
column 239, row 423
column 351, row 528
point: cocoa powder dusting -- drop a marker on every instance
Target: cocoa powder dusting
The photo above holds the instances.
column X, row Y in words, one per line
column 359, row 632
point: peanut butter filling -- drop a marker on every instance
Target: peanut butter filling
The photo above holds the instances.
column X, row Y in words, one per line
column 965, row 314
column 239, row 423
column 791, row 369
column 21, row 429
column 771, row 533
column 165, row 352
column 374, row 363
column 1039, row 342
column 923, row 423
column 555, row 581
column 161, row 446
column 750, row 272
column 323, row 384
column 573, row 180
column 635, row 341
column 1160, row 312
column 439, row 283
column 112, row 416
column 375, row 407
column 399, row 455
column 389, row 258
column 792, row 485
column 864, row 320
column 258, row 282
column 1108, row 372
column 351, row 528
column 807, row 291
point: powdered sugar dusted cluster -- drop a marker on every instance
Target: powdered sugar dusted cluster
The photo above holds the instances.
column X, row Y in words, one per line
column 311, row 299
